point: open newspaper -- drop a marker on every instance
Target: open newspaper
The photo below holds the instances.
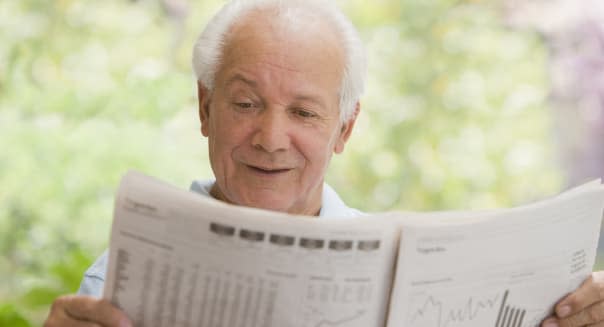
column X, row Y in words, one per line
column 180, row 259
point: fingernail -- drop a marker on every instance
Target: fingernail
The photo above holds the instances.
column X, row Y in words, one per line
column 125, row 323
column 563, row 311
column 550, row 324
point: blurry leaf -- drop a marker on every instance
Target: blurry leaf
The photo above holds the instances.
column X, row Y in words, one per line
column 40, row 296
column 69, row 272
column 9, row 316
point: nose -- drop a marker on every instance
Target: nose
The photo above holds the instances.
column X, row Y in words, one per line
column 271, row 133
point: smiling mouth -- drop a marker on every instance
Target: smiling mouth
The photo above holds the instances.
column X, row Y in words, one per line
column 268, row 171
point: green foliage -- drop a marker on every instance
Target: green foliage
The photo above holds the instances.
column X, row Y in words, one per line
column 455, row 116
column 456, row 111
column 9, row 316
column 62, row 276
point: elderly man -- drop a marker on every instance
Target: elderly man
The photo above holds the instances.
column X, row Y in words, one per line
column 279, row 85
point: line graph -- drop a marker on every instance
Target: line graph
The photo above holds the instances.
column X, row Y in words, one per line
column 339, row 322
column 434, row 307
column 438, row 312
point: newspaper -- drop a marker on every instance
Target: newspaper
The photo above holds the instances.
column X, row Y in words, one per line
column 180, row 259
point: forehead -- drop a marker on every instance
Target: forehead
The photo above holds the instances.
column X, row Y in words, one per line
column 310, row 50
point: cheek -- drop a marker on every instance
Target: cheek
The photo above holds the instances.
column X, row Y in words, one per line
column 218, row 142
column 317, row 149
column 227, row 137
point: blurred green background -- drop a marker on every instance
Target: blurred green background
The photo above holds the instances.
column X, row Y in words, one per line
column 462, row 110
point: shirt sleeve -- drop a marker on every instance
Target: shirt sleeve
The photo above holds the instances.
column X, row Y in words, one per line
column 94, row 278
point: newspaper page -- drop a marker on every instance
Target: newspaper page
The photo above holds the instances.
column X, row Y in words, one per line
column 180, row 259
column 503, row 268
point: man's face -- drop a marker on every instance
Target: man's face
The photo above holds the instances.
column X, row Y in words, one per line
column 272, row 120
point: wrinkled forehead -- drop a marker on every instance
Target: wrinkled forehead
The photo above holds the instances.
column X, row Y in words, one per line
column 286, row 32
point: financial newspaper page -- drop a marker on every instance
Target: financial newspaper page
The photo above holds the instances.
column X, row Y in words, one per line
column 495, row 268
column 180, row 259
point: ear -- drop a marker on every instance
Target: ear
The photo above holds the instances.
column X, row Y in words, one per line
column 346, row 130
column 203, row 98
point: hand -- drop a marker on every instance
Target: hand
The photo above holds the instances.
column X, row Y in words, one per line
column 79, row 310
column 583, row 307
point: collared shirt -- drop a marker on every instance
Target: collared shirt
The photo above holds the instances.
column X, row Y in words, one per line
column 332, row 207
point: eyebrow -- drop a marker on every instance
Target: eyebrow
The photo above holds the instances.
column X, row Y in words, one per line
column 301, row 97
column 309, row 98
column 241, row 78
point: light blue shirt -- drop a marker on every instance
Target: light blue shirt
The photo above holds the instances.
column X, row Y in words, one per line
column 332, row 207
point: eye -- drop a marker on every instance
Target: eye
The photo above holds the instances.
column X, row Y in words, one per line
column 303, row 113
column 244, row 105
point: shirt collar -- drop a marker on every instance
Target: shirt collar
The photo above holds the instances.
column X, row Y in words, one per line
column 332, row 205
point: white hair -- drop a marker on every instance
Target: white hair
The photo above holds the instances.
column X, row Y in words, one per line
column 210, row 44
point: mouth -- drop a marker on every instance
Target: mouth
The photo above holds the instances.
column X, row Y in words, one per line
column 268, row 171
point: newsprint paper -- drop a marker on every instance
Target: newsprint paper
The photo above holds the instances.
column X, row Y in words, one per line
column 180, row 259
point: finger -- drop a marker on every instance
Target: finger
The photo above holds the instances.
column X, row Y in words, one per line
column 550, row 322
column 593, row 314
column 590, row 292
column 57, row 317
column 95, row 310
column 67, row 321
